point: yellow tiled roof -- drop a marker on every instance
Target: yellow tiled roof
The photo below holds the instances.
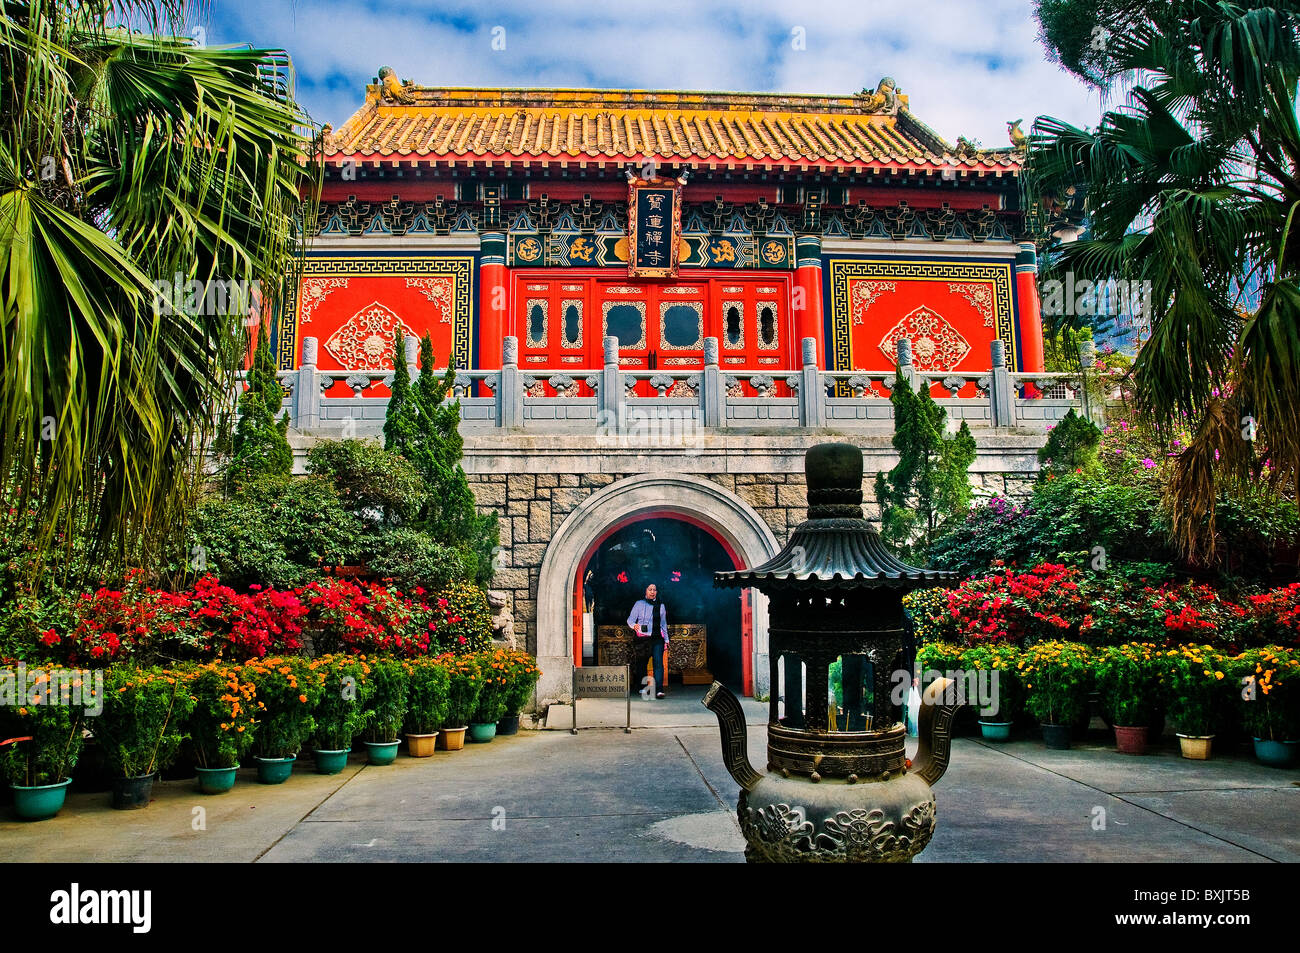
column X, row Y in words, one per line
column 583, row 125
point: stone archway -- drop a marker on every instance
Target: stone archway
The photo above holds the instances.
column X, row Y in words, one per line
column 730, row 517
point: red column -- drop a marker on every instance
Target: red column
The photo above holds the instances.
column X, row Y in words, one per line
column 493, row 295
column 1031, row 319
column 809, row 318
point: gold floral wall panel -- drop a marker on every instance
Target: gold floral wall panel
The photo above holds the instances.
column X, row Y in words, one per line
column 950, row 310
column 354, row 305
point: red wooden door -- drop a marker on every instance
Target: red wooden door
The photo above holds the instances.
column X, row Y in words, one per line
column 755, row 329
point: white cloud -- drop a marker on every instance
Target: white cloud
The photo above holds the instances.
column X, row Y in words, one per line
column 968, row 67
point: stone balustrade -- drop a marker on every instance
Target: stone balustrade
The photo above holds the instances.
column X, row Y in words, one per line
column 611, row 400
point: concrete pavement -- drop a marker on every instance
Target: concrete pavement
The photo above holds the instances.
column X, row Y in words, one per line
column 662, row 794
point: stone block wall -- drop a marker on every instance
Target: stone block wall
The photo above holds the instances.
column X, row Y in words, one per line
column 533, row 483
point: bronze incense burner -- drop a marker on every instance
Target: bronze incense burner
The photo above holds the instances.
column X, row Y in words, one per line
column 839, row 786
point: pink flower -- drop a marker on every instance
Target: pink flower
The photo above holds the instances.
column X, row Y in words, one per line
column 1148, row 463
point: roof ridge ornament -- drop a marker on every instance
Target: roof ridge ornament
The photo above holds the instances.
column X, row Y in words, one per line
column 887, row 100
column 393, row 89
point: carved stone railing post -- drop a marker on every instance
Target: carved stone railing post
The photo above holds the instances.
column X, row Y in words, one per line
column 1087, row 365
column 812, row 397
column 510, row 392
column 905, row 365
column 610, row 391
column 713, row 393
column 307, row 394
column 1001, row 392
column 412, row 345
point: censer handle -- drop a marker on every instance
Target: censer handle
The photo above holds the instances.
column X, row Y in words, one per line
column 935, row 731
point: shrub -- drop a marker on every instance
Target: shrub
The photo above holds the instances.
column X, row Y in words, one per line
column 377, row 484
column 1071, row 444
column 468, row 620
column 142, row 725
column 1002, row 659
column 386, row 710
column 288, row 691
column 463, row 689
column 1057, row 681
column 412, row 559
column 937, row 657
column 1270, row 699
column 494, row 690
column 278, row 532
column 346, row 690
column 523, row 674
column 56, row 733
column 1194, row 688
column 430, row 685
column 221, row 726
column 1128, row 682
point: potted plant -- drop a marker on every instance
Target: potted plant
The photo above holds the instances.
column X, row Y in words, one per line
column 222, row 723
column 38, row 750
column 997, row 718
column 462, row 699
column 1128, row 684
column 140, row 729
column 386, row 710
column 427, row 705
column 1270, row 678
column 493, row 688
column 341, row 714
column 288, row 692
column 522, row 674
column 1193, row 686
column 1056, row 681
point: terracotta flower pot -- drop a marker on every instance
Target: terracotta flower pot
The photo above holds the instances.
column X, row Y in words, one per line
column 1131, row 739
column 1195, row 747
column 421, row 746
column 452, row 739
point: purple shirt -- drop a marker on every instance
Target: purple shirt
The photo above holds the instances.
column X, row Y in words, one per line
column 642, row 618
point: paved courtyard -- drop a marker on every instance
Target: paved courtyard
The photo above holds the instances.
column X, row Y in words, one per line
column 662, row 794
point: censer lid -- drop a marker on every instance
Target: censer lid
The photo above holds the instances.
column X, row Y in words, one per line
column 835, row 548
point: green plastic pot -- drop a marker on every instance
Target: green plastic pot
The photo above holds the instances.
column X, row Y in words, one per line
column 482, row 732
column 216, row 780
column 40, row 802
column 275, row 770
column 996, row 730
column 382, row 752
column 331, row 762
column 1276, row 754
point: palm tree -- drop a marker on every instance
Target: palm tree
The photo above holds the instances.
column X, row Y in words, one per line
column 1194, row 185
column 145, row 181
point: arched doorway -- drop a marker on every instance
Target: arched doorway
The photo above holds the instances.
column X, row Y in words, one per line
column 729, row 519
column 679, row 555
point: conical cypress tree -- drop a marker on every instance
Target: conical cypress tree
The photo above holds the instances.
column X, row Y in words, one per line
column 261, row 445
column 930, row 483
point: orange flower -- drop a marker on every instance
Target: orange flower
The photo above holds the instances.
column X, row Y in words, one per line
column 303, row 699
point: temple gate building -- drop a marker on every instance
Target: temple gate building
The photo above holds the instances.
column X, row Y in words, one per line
column 656, row 302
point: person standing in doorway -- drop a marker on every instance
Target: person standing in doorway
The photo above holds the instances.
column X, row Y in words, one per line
column 649, row 615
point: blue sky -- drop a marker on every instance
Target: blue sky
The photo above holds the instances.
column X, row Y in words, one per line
column 968, row 65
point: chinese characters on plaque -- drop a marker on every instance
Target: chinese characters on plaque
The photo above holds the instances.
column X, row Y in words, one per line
column 654, row 226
